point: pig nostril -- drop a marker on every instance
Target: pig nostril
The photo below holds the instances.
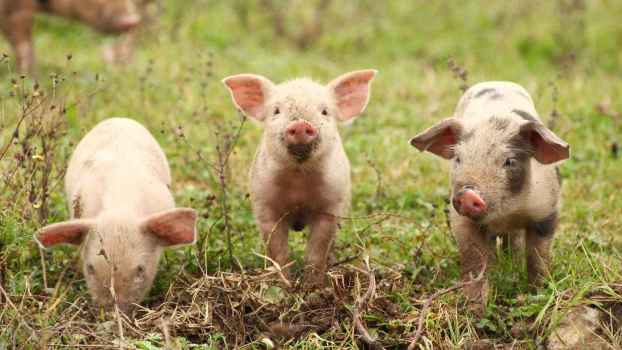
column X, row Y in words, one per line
column 310, row 132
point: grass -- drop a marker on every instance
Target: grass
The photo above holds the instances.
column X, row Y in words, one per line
column 564, row 53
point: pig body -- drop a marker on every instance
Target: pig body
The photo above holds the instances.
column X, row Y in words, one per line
column 504, row 177
column 122, row 211
column 301, row 175
column 16, row 20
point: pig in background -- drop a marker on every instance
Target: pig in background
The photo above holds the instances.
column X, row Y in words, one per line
column 301, row 174
column 122, row 212
column 106, row 16
column 504, row 178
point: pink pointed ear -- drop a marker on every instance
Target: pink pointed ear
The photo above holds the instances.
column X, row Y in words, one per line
column 548, row 147
column 173, row 227
column 440, row 139
column 249, row 93
column 351, row 92
column 68, row 232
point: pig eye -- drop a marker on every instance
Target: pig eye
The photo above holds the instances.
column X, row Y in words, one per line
column 324, row 111
column 510, row 163
column 457, row 160
column 277, row 111
column 90, row 269
column 140, row 269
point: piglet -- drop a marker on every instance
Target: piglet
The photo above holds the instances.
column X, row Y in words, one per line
column 122, row 212
column 301, row 174
column 106, row 16
column 504, row 178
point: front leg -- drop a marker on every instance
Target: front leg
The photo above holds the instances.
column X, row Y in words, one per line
column 475, row 254
column 275, row 232
column 323, row 229
column 539, row 236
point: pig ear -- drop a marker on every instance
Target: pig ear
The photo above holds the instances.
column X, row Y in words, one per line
column 440, row 139
column 548, row 147
column 68, row 232
column 249, row 93
column 173, row 227
column 351, row 92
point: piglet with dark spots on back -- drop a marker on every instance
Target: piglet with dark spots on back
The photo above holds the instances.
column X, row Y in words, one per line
column 504, row 178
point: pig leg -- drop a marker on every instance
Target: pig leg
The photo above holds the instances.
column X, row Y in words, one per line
column 538, row 239
column 475, row 253
column 275, row 234
column 318, row 251
column 18, row 29
column 538, row 249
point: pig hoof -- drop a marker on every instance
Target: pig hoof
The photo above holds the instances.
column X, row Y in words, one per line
column 311, row 283
column 283, row 274
column 332, row 259
column 477, row 307
column 313, row 279
column 477, row 295
column 535, row 284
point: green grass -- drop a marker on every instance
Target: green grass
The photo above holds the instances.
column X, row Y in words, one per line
column 568, row 60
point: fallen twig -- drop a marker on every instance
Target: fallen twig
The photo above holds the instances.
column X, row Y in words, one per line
column 361, row 304
column 278, row 268
column 18, row 314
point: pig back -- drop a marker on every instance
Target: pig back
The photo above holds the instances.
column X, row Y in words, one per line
column 117, row 147
column 494, row 98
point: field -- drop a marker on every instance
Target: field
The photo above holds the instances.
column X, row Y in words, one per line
column 220, row 293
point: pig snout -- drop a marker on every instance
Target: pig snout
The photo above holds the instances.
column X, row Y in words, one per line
column 469, row 203
column 127, row 22
column 119, row 24
column 300, row 133
column 301, row 138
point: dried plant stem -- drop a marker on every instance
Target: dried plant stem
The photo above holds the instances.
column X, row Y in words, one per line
column 43, row 269
column 379, row 190
column 361, row 304
column 224, row 151
column 279, row 269
column 18, row 314
column 6, row 147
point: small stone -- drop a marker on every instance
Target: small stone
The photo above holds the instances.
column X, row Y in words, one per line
column 578, row 330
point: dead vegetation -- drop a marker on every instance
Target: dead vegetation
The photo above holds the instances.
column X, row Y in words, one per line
column 34, row 155
column 235, row 309
column 247, row 307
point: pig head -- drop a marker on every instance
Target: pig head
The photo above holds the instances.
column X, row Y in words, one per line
column 120, row 254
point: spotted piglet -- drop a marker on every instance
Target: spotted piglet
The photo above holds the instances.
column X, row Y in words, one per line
column 301, row 175
column 504, row 177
